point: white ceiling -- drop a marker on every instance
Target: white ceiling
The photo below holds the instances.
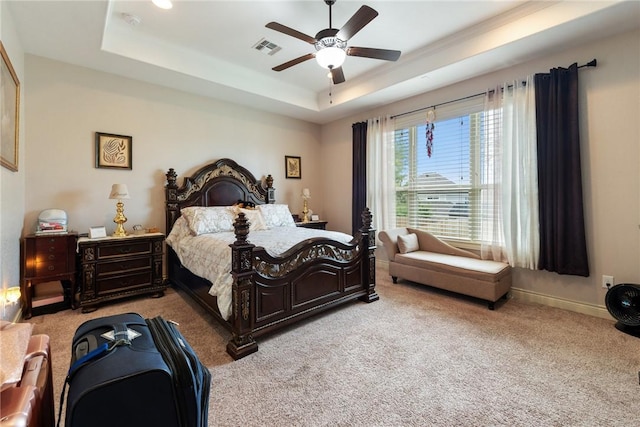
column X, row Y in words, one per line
column 206, row 47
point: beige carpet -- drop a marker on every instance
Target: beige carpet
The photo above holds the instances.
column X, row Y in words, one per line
column 417, row 357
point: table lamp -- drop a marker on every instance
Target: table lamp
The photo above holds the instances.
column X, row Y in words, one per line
column 306, row 194
column 119, row 192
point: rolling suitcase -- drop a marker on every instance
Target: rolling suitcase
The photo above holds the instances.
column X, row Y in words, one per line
column 128, row 371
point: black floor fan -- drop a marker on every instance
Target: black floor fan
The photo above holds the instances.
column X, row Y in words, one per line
column 623, row 302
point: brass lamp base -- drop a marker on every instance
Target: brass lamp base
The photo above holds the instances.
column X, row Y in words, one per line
column 119, row 220
column 305, row 212
column 119, row 231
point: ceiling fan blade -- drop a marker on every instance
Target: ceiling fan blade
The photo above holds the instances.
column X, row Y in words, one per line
column 362, row 17
column 369, row 52
column 337, row 75
column 294, row 62
column 290, row 32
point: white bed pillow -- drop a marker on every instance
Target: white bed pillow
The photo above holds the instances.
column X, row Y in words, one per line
column 408, row 243
column 256, row 221
column 179, row 230
column 209, row 219
column 276, row 215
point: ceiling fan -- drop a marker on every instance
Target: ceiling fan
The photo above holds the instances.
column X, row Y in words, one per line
column 331, row 43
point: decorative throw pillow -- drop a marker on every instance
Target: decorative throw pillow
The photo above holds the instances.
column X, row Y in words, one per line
column 408, row 243
column 211, row 219
column 276, row 215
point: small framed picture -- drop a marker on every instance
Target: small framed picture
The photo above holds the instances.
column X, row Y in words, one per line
column 97, row 232
column 113, row 151
column 292, row 167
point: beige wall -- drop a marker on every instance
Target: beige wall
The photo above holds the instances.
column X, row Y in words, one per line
column 610, row 132
column 12, row 184
column 66, row 105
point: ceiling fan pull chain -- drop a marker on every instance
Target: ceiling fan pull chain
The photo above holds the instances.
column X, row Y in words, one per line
column 330, row 88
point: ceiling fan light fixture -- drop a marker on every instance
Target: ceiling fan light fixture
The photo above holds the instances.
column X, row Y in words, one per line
column 163, row 4
column 331, row 57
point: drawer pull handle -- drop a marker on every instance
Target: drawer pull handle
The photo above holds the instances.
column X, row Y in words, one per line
column 125, row 250
column 51, row 267
column 52, row 257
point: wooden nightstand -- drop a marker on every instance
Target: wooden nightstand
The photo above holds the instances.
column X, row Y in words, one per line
column 118, row 267
column 48, row 258
column 318, row 225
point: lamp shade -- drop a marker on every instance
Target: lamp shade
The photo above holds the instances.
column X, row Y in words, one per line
column 119, row 191
column 331, row 57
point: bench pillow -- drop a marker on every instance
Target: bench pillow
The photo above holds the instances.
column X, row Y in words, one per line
column 408, row 243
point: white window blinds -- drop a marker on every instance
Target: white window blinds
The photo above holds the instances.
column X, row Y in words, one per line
column 441, row 193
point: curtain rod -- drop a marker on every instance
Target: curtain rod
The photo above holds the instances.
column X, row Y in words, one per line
column 591, row 63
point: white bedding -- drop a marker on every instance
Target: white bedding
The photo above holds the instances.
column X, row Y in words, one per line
column 200, row 253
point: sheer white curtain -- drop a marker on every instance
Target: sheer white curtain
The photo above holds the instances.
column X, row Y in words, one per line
column 381, row 172
column 514, row 199
column 491, row 224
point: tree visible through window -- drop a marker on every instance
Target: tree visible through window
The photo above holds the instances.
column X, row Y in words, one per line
column 441, row 193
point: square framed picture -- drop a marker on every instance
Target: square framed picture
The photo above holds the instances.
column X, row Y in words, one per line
column 292, row 167
column 113, row 151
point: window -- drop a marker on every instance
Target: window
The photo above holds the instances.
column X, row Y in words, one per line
column 441, row 193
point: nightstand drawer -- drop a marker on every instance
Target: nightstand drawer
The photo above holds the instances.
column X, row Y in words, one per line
column 123, row 265
column 47, row 245
column 51, row 268
column 123, row 283
column 130, row 248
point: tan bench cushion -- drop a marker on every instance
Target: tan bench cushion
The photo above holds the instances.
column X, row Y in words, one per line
column 485, row 270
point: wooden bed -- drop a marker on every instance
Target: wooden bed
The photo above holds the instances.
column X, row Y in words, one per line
column 311, row 277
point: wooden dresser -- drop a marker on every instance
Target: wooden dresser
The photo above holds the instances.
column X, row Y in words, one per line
column 48, row 258
column 118, row 267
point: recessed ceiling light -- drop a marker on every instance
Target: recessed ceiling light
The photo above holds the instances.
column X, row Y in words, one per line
column 163, row 4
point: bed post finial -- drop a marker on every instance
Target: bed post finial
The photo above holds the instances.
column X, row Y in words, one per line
column 241, row 228
column 366, row 219
column 172, row 177
column 271, row 192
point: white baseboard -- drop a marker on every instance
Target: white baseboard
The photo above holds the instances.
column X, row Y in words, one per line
column 565, row 304
column 549, row 300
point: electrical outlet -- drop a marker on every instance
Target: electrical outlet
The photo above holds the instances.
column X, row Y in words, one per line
column 607, row 282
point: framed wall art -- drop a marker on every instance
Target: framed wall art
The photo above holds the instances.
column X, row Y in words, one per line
column 113, row 151
column 9, row 114
column 292, row 167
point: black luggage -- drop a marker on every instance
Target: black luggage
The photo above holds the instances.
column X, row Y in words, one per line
column 128, row 371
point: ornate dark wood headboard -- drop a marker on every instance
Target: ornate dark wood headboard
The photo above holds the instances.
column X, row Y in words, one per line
column 221, row 183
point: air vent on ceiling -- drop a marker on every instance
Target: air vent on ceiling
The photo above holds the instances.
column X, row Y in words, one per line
column 266, row 46
column 131, row 19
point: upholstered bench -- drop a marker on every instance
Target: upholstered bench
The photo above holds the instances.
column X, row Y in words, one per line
column 421, row 257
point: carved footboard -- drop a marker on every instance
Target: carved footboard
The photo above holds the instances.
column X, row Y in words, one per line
column 272, row 292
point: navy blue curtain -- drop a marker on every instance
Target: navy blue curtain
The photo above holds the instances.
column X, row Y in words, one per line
column 359, row 174
column 563, row 246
